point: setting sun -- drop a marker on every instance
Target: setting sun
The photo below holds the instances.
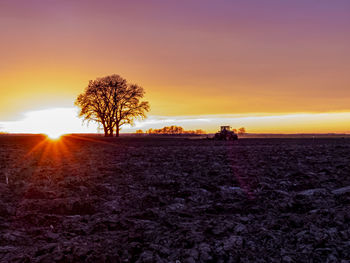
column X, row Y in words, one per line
column 54, row 135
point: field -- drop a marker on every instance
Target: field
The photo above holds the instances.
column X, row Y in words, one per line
column 94, row 199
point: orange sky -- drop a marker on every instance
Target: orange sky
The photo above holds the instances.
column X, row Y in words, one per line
column 194, row 58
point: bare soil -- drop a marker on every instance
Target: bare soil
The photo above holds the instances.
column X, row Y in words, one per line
column 93, row 199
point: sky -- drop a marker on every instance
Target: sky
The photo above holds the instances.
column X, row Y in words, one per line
column 279, row 66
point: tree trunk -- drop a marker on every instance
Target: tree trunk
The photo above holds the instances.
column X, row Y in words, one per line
column 108, row 132
column 117, row 131
column 111, row 132
column 105, row 130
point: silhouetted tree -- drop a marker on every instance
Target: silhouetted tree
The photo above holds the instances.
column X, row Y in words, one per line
column 241, row 131
column 112, row 102
column 200, row 131
column 174, row 130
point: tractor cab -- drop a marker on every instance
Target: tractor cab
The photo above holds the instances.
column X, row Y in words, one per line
column 225, row 134
column 225, row 128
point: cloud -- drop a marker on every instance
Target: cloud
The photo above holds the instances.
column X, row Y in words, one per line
column 65, row 120
column 257, row 123
column 59, row 120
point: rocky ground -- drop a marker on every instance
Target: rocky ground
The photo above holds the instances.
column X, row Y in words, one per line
column 178, row 200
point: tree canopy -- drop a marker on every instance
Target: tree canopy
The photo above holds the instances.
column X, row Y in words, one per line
column 174, row 130
column 112, row 102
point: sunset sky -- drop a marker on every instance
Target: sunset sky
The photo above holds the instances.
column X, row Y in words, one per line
column 274, row 66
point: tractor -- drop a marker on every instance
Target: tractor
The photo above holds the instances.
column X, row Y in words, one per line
column 225, row 134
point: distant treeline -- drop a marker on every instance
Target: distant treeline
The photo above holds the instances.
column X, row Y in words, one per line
column 172, row 130
column 240, row 131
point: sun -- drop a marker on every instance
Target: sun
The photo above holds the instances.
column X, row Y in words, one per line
column 54, row 135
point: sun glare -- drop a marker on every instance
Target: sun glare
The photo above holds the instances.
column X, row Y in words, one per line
column 53, row 122
column 54, row 135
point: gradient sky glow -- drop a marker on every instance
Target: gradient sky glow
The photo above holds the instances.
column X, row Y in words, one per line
column 197, row 60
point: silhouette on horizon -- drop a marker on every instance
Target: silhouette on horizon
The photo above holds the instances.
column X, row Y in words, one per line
column 112, row 102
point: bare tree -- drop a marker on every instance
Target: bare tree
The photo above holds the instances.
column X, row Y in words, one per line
column 241, row 131
column 200, row 131
column 128, row 107
column 112, row 102
column 174, row 130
